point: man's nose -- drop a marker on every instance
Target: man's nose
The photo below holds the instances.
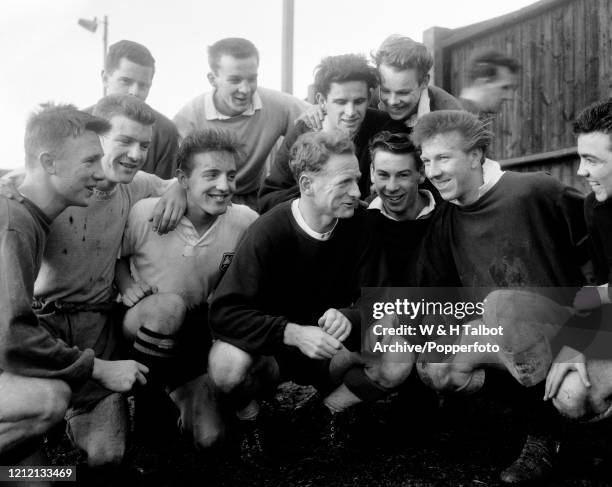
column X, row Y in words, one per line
column 244, row 87
column 136, row 152
column 432, row 170
column 222, row 183
column 582, row 170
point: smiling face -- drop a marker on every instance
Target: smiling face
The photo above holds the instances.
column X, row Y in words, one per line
column 456, row 174
column 125, row 149
column 78, row 169
column 595, row 150
column 346, row 105
column 211, row 184
column 129, row 78
column 396, row 180
column 400, row 91
column 235, row 83
column 335, row 189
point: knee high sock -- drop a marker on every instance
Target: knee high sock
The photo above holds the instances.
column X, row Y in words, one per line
column 157, row 352
column 358, row 382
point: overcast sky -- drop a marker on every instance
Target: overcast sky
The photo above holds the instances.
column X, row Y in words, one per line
column 47, row 56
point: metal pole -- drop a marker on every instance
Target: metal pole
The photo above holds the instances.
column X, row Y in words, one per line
column 105, row 47
column 287, row 47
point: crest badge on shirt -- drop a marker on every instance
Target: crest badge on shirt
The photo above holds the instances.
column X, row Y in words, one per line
column 226, row 260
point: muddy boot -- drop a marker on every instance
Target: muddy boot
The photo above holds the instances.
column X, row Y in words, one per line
column 534, row 464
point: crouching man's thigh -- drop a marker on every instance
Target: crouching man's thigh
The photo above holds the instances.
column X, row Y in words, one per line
column 29, row 406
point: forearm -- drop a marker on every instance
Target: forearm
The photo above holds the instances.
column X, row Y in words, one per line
column 28, row 349
column 246, row 328
column 291, row 334
column 123, row 276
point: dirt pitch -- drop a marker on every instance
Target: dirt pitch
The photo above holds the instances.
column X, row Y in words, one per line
column 391, row 443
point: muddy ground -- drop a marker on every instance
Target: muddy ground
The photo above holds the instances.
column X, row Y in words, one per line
column 464, row 442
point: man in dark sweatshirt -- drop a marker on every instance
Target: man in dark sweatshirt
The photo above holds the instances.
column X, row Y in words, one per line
column 38, row 372
column 283, row 309
column 580, row 380
column 402, row 211
column 500, row 230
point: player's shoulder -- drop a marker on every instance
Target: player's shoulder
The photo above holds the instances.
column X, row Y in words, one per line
column 195, row 102
column 533, row 179
column 540, row 183
column 143, row 208
column 141, row 180
column 191, row 107
column 273, row 221
column 12, row 214
column 22, row 217
column 240, row 215
column 279, row 100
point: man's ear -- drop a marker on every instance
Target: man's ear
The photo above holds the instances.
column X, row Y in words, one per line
column 211, row 79
column 305, row 184
column 47, row 161
column 320, row 99
column 104, row 77
column 372, row 173
column 425, row 81
column 476, row 157
column 422, row 176
column 182, row 178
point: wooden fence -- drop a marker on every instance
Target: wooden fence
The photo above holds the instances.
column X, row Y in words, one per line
column 565, row 51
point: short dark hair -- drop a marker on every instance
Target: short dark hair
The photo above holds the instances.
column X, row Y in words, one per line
column 48, row 128
column 231, row 46
column 312, row 150
column 399, row 143
column 486, row 63
column 126, row 105
column 474, row 131
column 341, row 69
column 208, row 140
column 597, row 117
column 130, row 50
column 401, row 52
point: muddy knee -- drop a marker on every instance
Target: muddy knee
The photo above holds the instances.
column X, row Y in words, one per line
column 572, row 398
column 389, row 375
column 435, row 375
column 208, row 439
column 444, row 377
column 228, row 366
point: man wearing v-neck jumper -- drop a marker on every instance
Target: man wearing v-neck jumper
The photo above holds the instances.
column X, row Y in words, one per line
column 174, row 274
column 257, row 116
